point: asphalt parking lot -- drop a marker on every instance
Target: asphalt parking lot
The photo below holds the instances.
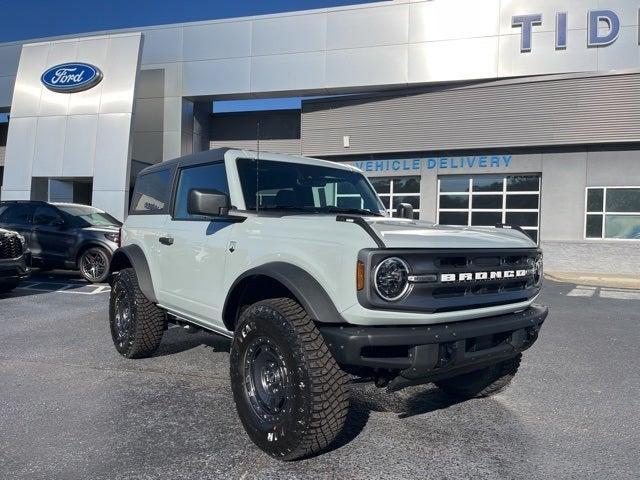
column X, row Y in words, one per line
column 72, row 408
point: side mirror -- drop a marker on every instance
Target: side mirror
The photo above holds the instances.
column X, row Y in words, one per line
column 405, row 210
column 208, row 203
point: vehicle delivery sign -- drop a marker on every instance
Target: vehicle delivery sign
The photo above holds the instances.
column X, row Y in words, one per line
column 71, row 77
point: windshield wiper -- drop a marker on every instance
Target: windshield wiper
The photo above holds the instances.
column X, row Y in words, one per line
column 356, row 211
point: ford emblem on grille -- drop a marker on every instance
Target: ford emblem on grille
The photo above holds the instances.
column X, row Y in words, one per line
column 71, row 77
column 479, row 276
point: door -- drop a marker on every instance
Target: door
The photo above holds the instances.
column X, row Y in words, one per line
column 194, row 250
column 51, row 237
column 19, row 218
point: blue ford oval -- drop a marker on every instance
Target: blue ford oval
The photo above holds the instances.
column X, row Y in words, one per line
column 71, row 77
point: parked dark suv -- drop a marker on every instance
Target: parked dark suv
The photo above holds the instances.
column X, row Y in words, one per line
column 67, row 236
column 13, row 260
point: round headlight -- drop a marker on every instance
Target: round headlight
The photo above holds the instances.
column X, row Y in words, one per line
column 391, row 278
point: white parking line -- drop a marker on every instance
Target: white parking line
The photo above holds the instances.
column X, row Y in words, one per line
column 73, row 288
column 604, row 292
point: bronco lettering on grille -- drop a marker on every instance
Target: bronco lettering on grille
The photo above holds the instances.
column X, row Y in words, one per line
column 478, row 276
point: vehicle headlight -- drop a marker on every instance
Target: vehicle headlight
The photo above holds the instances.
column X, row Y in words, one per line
column 23, row 241
column 391, row 278
column 112, row 236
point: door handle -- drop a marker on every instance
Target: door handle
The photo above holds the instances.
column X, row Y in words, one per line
column 166, row 240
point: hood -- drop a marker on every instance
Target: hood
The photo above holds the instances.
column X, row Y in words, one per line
column 404, row 233
column 102, row 229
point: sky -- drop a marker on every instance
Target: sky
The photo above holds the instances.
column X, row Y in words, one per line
column 21, row 20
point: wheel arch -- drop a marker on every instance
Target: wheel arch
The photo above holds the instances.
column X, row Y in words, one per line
column 132, row 256
column 278, row 279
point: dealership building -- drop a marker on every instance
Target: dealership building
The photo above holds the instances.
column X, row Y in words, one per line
column 476, row 112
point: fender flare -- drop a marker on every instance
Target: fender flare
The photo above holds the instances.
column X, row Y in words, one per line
column 304, row 287
column 134, row 256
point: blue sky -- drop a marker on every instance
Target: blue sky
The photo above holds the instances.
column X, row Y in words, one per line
column 44, row 18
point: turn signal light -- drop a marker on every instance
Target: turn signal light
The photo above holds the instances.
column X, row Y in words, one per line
column 360, row 276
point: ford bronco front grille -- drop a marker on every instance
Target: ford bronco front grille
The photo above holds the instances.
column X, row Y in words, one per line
column 449, row 280
column 10, row 247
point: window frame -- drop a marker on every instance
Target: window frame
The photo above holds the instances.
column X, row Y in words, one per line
column 604, row 214
column 176, row 184
column 391, row 195
column 504, row 193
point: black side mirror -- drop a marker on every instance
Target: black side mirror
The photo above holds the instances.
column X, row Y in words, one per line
column 208, row 203
column 405, row 210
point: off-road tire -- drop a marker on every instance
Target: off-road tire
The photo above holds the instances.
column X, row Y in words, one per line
column 316, row 392
column 482, row 383
column 6, row 287
column 143, row 332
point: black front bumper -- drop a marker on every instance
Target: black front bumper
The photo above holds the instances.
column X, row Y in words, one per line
column 413, row 355
column 14, row 269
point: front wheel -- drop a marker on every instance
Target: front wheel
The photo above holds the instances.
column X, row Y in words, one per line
column 94, row 265
column 137, row 325
column 291, row 395
column 482, row 383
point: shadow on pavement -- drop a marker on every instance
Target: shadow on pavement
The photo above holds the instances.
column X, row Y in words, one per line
column 175, row 340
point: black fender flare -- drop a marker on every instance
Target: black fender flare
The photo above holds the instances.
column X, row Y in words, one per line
column 134, row 256
column 303, row 286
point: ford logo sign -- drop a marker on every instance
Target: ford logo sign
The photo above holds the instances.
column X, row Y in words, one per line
column 71, row 77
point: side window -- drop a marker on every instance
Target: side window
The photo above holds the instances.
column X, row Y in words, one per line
column 151, row 194
column 211, row 177
column 19, row 214
column 46, row 216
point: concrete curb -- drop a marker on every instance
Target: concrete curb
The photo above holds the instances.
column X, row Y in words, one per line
column 596, row 279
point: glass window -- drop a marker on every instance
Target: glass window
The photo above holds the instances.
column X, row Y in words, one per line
column 18, row 214
column 151, row 194
column 595, row 199
column 523, row 183
column 492, row 199
column 622, row 226
column 209, row 177
column 305, row 187
column 487, row 183
column 490, row 219
column 487, row 201
column 522, row 202
column 623, row 200
column 393, row 191
column 45, row 215
column 453, row 218
column 454, row 184
column 454, row 201
column 88, row 216
column 613, row 213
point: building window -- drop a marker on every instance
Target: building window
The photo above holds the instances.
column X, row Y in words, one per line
column 486, row 200
column 613, row 213
column 394, row 191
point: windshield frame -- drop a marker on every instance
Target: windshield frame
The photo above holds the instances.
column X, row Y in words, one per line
column 370, row 201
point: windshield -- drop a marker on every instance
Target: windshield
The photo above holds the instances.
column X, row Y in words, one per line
column 90, row 215
column 306, row 188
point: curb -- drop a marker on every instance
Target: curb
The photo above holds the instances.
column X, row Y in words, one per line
column 595, row 279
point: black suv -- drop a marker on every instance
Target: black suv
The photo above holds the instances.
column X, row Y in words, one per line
column 67, row 236
column 13, row 259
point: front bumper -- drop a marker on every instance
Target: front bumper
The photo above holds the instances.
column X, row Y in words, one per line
column 14, row 269
column 420, row 354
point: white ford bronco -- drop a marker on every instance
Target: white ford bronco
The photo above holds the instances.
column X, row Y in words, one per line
column 296, row 260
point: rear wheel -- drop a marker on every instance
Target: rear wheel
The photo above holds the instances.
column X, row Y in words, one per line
column 136, row 324
column 94, row 265
column 291, row 395
column 482, row 383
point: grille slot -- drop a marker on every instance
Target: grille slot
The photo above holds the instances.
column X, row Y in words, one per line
column 10, row 247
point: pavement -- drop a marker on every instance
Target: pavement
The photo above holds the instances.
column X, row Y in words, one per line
column 72, row 408
column 596, row 279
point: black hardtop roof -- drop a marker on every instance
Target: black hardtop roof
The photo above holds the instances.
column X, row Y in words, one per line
column 207, row 156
